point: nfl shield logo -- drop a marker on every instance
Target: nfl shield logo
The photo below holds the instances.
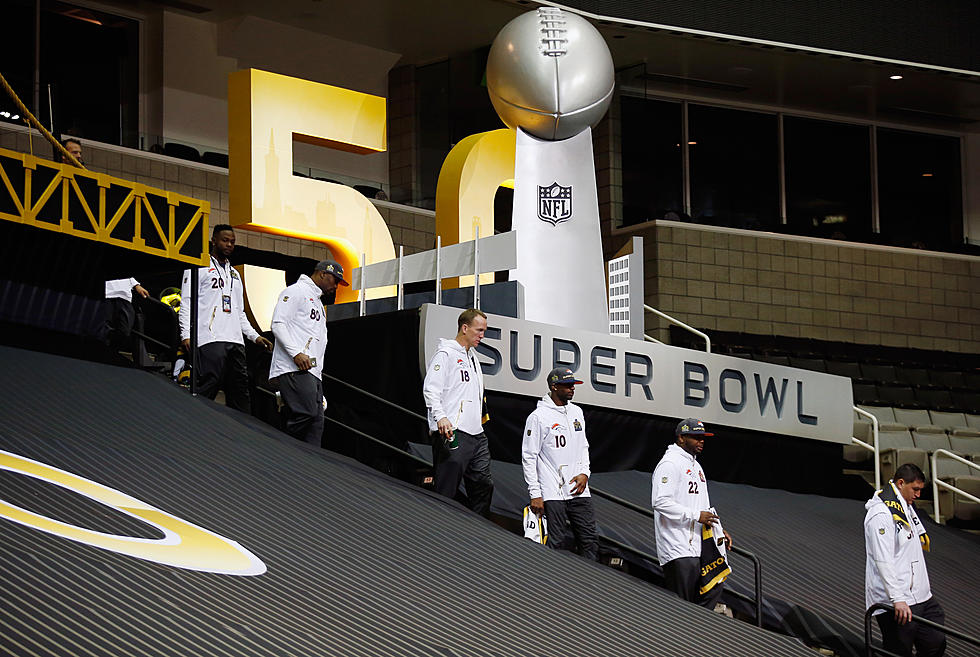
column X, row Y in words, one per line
column 554, row 203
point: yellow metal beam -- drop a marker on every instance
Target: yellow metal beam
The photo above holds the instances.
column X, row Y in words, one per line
column 81, row 203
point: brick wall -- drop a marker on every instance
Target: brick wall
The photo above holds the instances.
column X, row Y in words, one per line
column 735, row 280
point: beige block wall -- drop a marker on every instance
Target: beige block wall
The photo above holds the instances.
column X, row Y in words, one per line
column 765, row 284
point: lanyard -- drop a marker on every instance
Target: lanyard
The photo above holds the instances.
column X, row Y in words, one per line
column 231, row 279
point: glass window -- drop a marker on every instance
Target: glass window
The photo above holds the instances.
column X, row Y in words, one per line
column 828, row 178
column 734, row 167
column 432, row 110
column 919, row 189
column 75, row 42
column 651, row 159
column 452, row 104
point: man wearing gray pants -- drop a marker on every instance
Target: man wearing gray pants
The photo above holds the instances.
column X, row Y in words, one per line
column 299, row 323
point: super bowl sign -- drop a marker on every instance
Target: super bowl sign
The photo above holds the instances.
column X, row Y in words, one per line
column 516, row 356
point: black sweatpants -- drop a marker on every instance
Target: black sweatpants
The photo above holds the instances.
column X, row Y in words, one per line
column 120, row 316
column 683, row 577
column 222, row 365
column 302, row 392
column 470, row 463
column 900, row 638
column 571, row 526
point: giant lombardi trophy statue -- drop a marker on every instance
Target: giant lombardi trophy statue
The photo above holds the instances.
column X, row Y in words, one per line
column 550, row 76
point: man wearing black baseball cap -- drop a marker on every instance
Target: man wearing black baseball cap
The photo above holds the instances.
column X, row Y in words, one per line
column 299, row 323
column 683, row 516
column 555, row 459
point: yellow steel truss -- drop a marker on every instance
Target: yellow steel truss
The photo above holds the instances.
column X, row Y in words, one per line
column 94, row 206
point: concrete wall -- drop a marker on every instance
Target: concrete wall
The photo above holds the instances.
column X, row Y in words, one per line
column 766, row 284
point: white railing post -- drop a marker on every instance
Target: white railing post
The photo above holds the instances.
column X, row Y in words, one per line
column 401, row 292
column 362, row 308
column 476, row 269
column 936, row 483
column 874, row 448
column 677, row 322
column 438, row 270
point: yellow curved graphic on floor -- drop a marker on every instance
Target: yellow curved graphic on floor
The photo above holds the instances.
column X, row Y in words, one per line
column 184, row 545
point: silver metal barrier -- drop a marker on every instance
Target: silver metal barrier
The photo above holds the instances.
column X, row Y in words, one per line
column 936, row 483
column 677, row 322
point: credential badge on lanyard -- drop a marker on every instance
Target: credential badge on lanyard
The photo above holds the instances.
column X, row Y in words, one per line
column 225, row 298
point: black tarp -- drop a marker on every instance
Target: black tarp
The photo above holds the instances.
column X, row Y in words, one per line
column 358, row 563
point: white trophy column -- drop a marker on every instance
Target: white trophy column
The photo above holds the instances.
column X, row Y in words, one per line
column 559, row 249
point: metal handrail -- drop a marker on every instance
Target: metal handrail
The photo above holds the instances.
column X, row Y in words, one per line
column 649, row 557
column 757, row 564
column 375, row 397
column 376, row 441
column 381, row 443
column 874, row 447
column 677, row 322
column 936, row 483
column 870, row 649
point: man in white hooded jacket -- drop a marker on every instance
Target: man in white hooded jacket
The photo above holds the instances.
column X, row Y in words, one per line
column 680, row 507
column 299, row 323
column 555, row 459
column 895, row 567
column 453, row 392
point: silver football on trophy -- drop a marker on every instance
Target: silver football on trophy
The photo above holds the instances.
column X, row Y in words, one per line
column 550, row 72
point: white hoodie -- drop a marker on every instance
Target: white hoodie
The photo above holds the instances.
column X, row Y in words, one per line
column 679, row 495
column 218, row 319
column 895, row 568
column 453, row 388
column 299, row 323
column 554, row 450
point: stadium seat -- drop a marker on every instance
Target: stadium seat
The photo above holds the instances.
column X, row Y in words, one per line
column 883, row 413
column 215, row 159
column 956, row 506
column 938, row 399
column 895, row 446
column 929, row 439
column 864, row 393
column 878, row 372
column 913, row 376
column 973, row 420
column 775, row 359
column 857, row 454
column 948, row 420
column 844, row 368
column 966, row 446
column 181, row 151
column 912, row 417
column 966, row 400
column 947, row 378
column 368, row 190
column 815, row 364
column 897, row 395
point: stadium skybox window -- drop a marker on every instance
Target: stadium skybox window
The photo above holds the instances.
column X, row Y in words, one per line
column 828, row 178
column 89, row 69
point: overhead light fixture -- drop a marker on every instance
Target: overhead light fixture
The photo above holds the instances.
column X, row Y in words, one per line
column 692, row 143
column 927, row 175
column 15, row 117
column 894, row 77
